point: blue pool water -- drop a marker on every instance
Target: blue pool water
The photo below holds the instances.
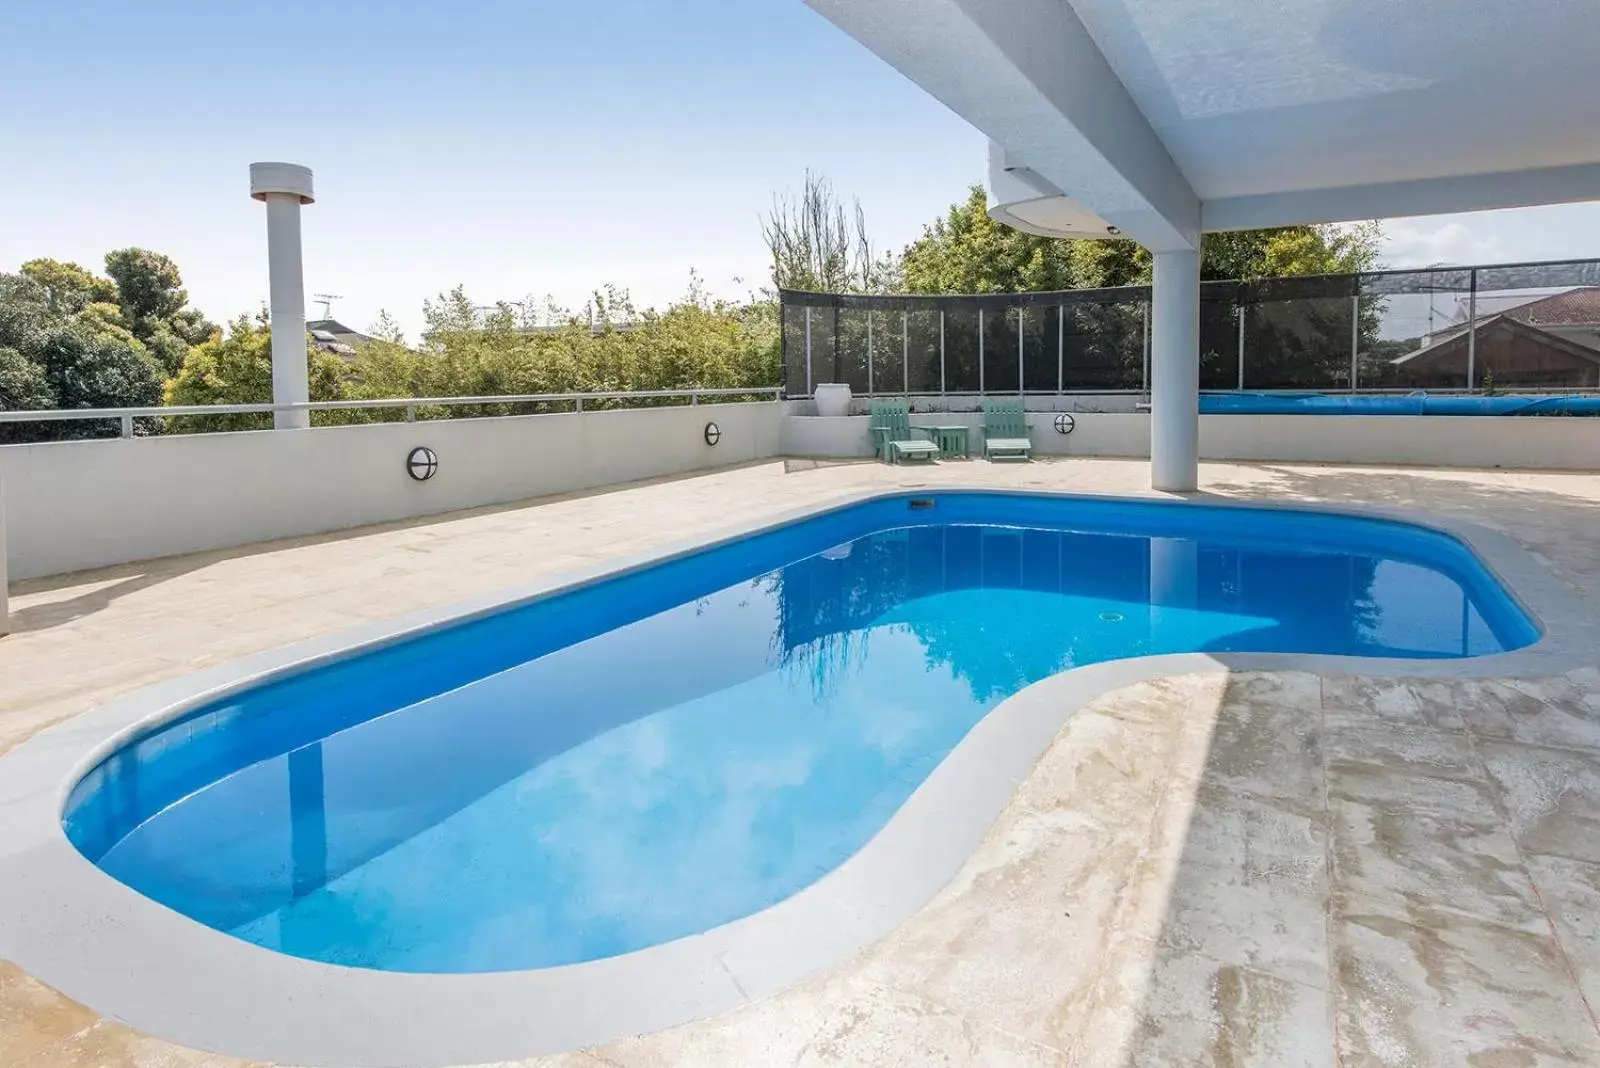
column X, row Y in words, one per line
column 663, row 752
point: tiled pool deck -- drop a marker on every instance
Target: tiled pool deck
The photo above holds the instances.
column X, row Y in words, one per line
column 1223, row 870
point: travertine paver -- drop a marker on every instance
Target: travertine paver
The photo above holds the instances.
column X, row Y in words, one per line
column 1207, row 870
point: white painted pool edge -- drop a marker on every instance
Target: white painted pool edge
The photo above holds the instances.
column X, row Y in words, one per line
column 137, row 962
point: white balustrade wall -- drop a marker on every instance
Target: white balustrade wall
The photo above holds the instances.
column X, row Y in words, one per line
column 1517, row 442
column 74, row 505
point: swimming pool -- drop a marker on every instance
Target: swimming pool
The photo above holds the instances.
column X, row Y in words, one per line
column 663, row 752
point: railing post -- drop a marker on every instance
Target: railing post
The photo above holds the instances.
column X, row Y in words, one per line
column 127, row 426
column 577, row 405
column 809, row 388
column 980, row 352
column 411, row 413
column 1472, row 331
column 837, row 316
column 1355, row 340
column 694, row 398
column 1022, row 324
column 905, row 353
column 1241, row 346
column 1061, row 349
column 1144, row 319
column 870, row 392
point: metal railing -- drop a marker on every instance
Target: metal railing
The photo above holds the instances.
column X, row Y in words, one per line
column 125, row 416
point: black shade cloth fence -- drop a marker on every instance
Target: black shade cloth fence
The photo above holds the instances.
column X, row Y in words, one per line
column 1524, row 327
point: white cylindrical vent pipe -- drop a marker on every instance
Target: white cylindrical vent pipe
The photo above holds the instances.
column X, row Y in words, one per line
column 285, row 187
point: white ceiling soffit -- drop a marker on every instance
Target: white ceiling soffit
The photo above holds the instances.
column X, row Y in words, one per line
column 1028, row 74
column 1266, row 112
column 1025, row 200
column 1288, row 111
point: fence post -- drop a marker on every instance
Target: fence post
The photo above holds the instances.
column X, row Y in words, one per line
column 905, row 353
column 411, row 413
column 941, row 352
column 809, row 388
column 694, row 398
column 1061, row 349
column 127, row 426
column 1144, row 319
column 836, row 334
column 1355, row 340
column 870, row 392
column 1241, row 346
column 577, row 405
column 980, row 352
column 1022, row 322
column 1472, row 331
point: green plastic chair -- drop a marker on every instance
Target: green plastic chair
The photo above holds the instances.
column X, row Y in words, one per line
column 895, row 439
column 1005, row 431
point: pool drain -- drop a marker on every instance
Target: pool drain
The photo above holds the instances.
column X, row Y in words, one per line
column 1111, row 617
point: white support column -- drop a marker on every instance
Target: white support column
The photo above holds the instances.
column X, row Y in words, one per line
column 1175, row 373
column 285, row 187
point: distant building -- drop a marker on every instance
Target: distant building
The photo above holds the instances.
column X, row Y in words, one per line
column 1549, row 342
column 330, row 335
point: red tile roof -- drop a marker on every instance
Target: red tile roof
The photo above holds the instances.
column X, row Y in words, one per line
column 1573, row 308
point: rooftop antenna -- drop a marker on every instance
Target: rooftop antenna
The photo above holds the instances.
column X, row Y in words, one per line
column 326, row 300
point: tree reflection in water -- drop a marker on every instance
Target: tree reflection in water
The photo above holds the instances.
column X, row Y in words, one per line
column 1064, row 598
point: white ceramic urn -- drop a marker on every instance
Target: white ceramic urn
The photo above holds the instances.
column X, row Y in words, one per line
column 833, row 398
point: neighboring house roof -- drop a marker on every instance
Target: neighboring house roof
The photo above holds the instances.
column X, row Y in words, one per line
column 330, row 335
column 1535, row 319
column 1576, row 307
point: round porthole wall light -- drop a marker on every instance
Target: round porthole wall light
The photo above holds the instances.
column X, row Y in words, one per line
column 422, row 463
column 1065, row 424
column 713, row 433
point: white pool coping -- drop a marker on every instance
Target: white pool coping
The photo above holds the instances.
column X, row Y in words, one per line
column 137, row 962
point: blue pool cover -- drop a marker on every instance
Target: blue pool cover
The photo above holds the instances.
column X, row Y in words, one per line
column 1419, row 403
column 666, row 751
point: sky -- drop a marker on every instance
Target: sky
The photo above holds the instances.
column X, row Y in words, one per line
column 510, row 147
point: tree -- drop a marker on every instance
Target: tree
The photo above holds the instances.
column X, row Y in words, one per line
column 90, row 370
column 816, row 246
column 23, row 386
column 154, row 304
column 1288, row 251
column 237, row 369
column 69, row 288
column 966, row 251
column 53, row 360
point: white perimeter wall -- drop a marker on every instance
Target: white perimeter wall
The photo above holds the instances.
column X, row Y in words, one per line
column 74, row 505
column 1431, row 440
